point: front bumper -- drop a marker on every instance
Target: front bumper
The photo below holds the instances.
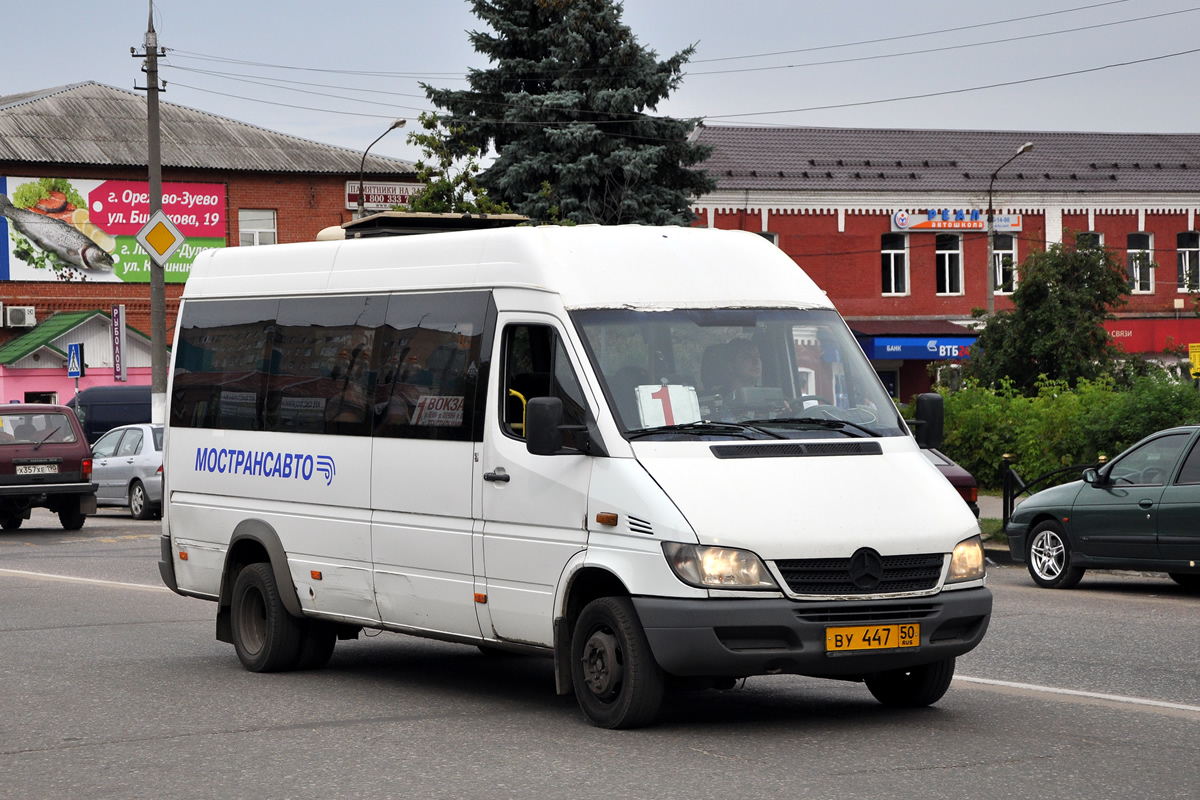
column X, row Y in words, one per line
column 737, row 638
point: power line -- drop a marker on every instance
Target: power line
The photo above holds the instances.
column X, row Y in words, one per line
column 912, row 35
column 946, row 48
column 958, row 91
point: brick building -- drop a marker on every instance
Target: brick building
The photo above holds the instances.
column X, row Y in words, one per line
column 82, row 148
column 892, row 224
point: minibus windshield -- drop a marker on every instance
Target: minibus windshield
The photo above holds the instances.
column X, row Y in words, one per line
column 736, row 373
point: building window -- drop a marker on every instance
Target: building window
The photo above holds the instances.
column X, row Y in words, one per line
column 1188, row 259
column 949, row 264
column 893, row 249
column 1141, row 268
column 256, row 227
column 1089, row 240
column 770, row 236
column 1004, row 262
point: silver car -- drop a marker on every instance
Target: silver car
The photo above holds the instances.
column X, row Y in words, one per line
column 127, row 466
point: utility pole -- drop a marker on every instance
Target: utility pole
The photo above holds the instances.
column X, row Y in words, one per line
column 158, row 290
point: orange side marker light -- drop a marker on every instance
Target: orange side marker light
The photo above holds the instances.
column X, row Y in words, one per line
column 480, row 597
column 316, row 574
column 606, row 518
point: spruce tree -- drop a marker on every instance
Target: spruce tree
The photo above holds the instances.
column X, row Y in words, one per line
column 564, row 108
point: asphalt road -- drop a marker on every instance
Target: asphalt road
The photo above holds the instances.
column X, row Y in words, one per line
column 112, row 687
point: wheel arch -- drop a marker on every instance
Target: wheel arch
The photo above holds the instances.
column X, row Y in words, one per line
column 581, row 585
column 255, row 541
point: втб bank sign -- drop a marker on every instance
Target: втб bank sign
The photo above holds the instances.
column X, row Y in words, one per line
column 76, row 229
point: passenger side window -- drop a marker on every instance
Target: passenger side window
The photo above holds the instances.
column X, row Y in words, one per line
column 107, row 444
column 536, row 364
column 1150, row 464
column 131, row 444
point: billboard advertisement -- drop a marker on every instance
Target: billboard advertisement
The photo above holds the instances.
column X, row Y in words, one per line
column 77, row 229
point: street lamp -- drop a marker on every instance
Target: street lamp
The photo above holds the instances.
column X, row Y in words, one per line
column 991, row 267
column 362, row 209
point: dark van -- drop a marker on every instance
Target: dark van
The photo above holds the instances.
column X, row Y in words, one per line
column 102, row 408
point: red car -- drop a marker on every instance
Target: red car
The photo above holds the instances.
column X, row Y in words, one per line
column 45, row 462
column 959, row 478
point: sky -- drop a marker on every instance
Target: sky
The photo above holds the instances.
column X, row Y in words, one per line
column 340, row 73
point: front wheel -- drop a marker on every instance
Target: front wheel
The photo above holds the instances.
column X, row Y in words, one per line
column 266, row 637
column 1050, row 558
column 915, row 687
column 139, row 505
column 10, row 522
column 617, row 681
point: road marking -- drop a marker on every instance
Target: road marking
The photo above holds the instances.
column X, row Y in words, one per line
column 72, row 579
column 1112, row 698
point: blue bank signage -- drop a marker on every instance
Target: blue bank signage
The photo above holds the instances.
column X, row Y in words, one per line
column 882, row 347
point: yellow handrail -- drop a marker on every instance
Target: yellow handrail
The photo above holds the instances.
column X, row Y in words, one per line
column 519, row 427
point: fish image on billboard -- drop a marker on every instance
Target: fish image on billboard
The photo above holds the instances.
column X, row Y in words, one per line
column 56, row 237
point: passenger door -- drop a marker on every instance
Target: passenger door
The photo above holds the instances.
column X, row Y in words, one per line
column 431, row 366
column 1119, row 519
column 104, row 466
column 124, row 464
column 1179, row 519
column 534, row 507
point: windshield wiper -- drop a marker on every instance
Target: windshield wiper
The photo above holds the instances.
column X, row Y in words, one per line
column 833, row 424
column 731, row 428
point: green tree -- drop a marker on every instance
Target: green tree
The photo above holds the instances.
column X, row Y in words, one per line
column 563, row 107
column 451, row 182
column 1056, row 329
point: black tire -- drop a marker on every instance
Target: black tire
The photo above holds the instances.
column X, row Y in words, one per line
column 1188, row 580
column 316, row 644
column 139, row 506
column 11, row 523
column 1049, row 559
column 72, row 519
column 914, row 687
column 266, row 637
column 617, row 681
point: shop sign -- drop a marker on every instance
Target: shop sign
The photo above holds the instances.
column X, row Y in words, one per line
column 76, row 229
column 1194, row 357
column 937, row 220
column 883, row 347
column 380, row 195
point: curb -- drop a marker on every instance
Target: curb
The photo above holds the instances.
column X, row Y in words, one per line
column 997, row 554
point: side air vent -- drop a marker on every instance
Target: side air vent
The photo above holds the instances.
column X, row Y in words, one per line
column 797, row 450
column 640, row 525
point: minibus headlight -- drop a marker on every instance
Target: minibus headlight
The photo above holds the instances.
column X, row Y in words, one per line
column 718, row 567
column 966, row 562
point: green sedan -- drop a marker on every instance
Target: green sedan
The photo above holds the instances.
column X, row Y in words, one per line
column 1140, row 511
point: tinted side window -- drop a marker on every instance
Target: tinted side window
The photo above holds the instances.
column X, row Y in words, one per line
column 1150, row 464
column 322, row 365
column 107, row 445
column 430, row 355
column 222, row 362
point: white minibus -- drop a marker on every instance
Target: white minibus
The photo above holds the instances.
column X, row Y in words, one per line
column 656, row 455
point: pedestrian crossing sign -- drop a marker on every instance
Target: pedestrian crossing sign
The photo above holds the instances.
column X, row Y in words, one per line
column 75, row 365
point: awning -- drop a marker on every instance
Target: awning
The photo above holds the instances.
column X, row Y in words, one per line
column 929, row 340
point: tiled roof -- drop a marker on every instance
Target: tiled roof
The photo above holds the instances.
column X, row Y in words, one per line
column 893, row 160
column 90, row 123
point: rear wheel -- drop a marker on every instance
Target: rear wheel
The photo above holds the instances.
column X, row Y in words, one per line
column 1188, row 580
column 617, row 681
column 1050, row 557
column 10, row 522
column 139, row 505
column 72, row 519
column 914, row 687
column 267, row 638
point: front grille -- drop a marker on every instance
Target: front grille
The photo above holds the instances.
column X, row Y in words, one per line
column 842, row 614
column 831, row 576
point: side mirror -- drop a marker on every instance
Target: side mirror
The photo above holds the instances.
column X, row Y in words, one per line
column 930, row 420
column 1091, row 476
column 543, row 417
